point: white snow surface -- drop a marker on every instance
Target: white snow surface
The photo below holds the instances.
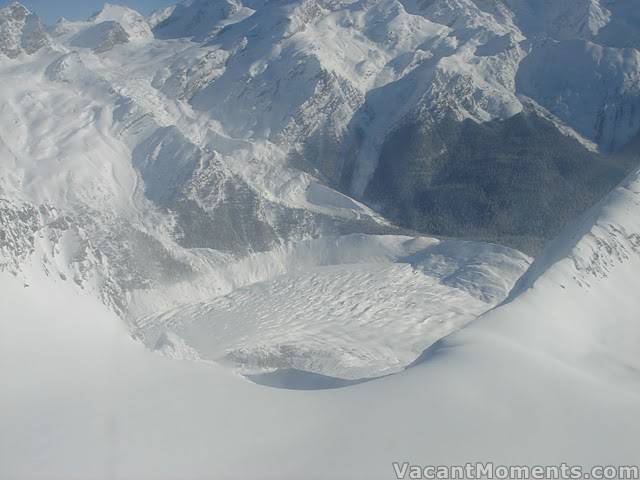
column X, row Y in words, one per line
column 532, row 382
column 592, row 267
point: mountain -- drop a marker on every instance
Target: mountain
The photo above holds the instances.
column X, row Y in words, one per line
column 423, row 213
column 212, row 143
column 336, row 85
column 350, row 308
column 130, row 20
column 518, row 180
column 582, row 284
column 179, row 160
column 196, row 19
column 549, row 377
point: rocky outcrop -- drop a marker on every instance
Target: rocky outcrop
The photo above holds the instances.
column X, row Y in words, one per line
column 20, row 31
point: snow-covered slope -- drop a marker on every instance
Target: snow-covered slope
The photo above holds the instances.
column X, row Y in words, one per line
column 112, row 25
column 521, row 386
column 170, row 161
column 126, row 200
column 131, row 21
column 163, row 190
column 598, row 95
column 575, row 302
column 126, row 167
column 197, row 19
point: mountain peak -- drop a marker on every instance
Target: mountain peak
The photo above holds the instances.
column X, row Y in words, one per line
column 194, row 18
column 129, row 19
column 110, row 10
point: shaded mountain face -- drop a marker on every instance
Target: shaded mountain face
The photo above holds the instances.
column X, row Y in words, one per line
column 516, row 181
column 101, row 37
column 198, row 19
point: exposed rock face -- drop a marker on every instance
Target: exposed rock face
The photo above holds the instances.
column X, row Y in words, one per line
column 197, row 19
column 20, row 31
column 136, row 26
column 101, row 37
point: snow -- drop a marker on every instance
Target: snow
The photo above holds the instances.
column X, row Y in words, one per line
column 366, row 316
column 197, row 18
column 96, row 137
column 515, row 387
column 60, row 139
column 133, row 23
column 592, row 267
column 20, row 31
column 597, row 94
column 115, row 410
column 101, row 37
column 258, row 90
